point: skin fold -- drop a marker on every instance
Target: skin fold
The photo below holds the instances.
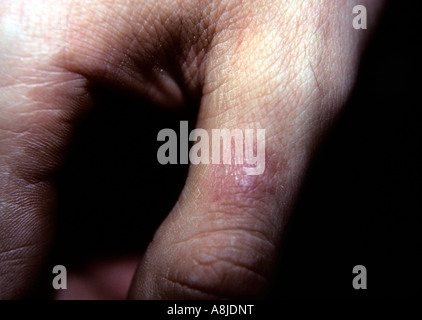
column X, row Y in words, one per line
column 283, row 66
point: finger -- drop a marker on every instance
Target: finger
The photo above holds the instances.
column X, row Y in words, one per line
column 222, row 237
column 50, row 54
column 38, row 104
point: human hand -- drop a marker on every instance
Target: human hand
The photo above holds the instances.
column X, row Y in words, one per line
column 286, row 67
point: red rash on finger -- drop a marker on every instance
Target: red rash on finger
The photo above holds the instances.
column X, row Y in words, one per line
column 230, row 183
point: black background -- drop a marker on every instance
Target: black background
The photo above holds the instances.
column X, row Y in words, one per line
column 361, row 202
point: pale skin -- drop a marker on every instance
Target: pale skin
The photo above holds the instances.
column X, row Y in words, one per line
column 284, row 66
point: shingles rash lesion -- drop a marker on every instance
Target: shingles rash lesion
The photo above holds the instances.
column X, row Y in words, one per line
column 229, row 185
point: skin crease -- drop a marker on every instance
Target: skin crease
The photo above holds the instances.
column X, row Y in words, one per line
column 283, row 66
